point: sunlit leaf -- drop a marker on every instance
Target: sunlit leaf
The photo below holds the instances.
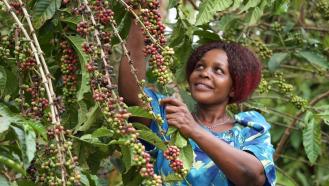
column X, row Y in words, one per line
column 209, row 8
column 44, row 10
column 139, row 112
column 312, row 138
column 152, row 138
column 314, row 58
column 276, row 60
column 83, row 58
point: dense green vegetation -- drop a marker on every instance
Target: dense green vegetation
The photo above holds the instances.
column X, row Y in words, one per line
column 59, row 107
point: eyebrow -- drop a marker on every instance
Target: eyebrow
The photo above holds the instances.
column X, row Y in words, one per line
column 217, row 62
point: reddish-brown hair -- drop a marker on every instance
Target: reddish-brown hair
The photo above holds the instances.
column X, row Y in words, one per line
column 244, row 67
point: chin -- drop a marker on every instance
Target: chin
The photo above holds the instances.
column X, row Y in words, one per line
column 201, row 98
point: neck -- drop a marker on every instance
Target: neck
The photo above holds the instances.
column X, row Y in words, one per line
column 211, row 114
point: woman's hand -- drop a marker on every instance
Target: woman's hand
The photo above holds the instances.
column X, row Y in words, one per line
column 179, row 116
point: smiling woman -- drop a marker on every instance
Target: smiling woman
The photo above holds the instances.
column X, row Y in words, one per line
column 227, row 151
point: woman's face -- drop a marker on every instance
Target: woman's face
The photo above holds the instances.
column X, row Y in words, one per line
column 210, row 81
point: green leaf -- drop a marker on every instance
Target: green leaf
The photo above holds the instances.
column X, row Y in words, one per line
column 152, row 138
column 227, row 21
column 91, row 116
column 11, row 164
column 127, row 157
column 131, row 178
column 102, row 132
column 11, row 84
column 312, row 138
column 276, row 60
column 4, row 181
column 27, row 141
column 3, row 79
column 186, row 155
column 4, row 119
column 39, row 129
column 179, row 140
column 171, row 130
column 83, row 58
column 123, row 28
column 140, row 126
column 172, row 178
column 209, row 8
column 250, row 4
column 25, row 182
column 72, row 20
column 83, row 109
column 314, row 58
column 138, row 111
column 44, row 10
column 254, row 15
column 323, row 113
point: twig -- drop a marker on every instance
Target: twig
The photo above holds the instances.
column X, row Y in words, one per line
column 193, row 4
column 43, row 62
column 96, row 35
column 141, row 23
column 36, row 56
column 286, row 134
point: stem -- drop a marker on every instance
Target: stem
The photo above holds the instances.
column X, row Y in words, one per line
column 286, row 134
column 133, row 69
column 96, row 35
column 43, row 61
column 36, row 56
column 141, row 23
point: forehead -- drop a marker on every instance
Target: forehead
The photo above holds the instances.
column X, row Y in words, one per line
column 215, row 56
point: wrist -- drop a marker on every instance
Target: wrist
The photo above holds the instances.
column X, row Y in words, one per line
column 196, row 132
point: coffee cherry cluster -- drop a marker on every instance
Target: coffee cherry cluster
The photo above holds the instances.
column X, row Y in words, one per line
column 299, row 102
column 17, row 7
column 33, row 102
column 277, row 27
column 264, row 86
column 261, row 49
column 323, row 7
column 143, row 159
column 47, row 163
column 172, row 154
column 295, row 38
column 83, row 28
column 286, row 89
column 69, row 68
column 160, row 57
column 4, row 46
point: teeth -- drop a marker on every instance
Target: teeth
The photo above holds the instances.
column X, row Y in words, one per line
column 200, row 85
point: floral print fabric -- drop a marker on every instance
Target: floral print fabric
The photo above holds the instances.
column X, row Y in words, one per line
column 250, row 133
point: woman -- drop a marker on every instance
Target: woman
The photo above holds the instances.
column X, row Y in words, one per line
column 227, row 150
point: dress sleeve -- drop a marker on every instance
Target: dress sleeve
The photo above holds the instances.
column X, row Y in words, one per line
column 257, row 140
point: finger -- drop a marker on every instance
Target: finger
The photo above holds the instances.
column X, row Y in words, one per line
column 171, row 101
column 171, row 109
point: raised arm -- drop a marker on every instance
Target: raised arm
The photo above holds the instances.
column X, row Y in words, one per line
column 127, row 84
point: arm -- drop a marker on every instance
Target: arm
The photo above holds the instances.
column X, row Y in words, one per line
column 127, row 84
column 241, row 167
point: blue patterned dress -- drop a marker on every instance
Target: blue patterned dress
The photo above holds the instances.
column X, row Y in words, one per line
column 249, row 133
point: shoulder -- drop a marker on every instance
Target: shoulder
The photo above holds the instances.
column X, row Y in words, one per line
column 253, row 120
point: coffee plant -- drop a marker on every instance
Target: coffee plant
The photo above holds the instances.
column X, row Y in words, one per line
column 62, row 121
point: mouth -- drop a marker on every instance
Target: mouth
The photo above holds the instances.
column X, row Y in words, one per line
column 202, row 86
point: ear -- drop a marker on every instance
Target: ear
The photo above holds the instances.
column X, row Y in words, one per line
column 232, row 93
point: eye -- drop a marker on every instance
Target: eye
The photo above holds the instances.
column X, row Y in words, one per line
column 198, row 66
column 219, row 70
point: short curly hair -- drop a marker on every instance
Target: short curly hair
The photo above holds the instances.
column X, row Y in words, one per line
column 244, row 67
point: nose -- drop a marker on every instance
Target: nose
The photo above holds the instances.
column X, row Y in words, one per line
column 205, row 73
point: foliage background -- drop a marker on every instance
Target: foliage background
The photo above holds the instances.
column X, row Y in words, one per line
column 290, row 36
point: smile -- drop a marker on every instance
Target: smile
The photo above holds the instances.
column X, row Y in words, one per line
column 202, row 86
